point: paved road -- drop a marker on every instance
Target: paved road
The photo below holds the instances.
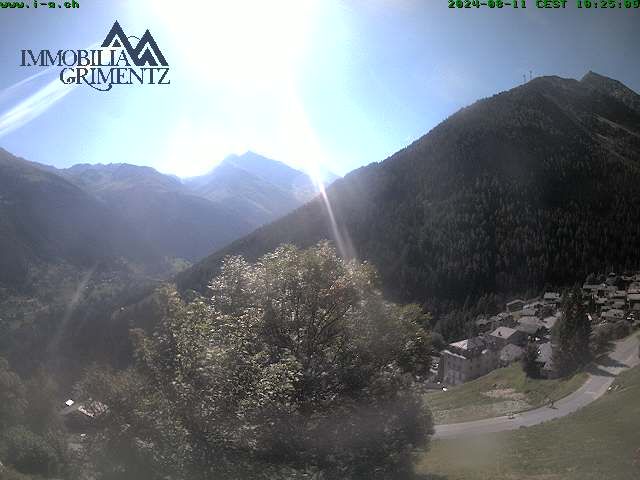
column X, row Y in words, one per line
column 601, row 376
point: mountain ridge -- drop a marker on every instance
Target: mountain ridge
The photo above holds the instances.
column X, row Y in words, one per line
column 528, row 187
column 160, row 219
column 43, row 216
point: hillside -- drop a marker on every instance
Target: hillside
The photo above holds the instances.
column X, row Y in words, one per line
column 600, row 441
column 44, row 218
column 167, row 216
column 191, row 219
column 537, row 185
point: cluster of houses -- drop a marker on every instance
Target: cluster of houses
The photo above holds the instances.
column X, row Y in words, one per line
column 615, row 298
column 502, row 338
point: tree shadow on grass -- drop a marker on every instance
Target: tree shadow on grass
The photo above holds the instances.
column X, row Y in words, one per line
column 610, row 362
column 596, row 370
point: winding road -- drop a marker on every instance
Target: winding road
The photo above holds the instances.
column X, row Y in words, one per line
column 601, row 376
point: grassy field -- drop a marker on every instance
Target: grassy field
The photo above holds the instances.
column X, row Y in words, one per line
column 599, row 442
column 502, row 391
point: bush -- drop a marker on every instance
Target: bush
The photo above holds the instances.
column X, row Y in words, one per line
column 29, row 453
column 8, row 474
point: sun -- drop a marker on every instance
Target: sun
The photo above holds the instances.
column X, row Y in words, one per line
column 243, row 59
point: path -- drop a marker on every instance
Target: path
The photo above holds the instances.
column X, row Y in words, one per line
column 601, row 376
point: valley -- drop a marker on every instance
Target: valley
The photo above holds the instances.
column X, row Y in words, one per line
column 250, row 320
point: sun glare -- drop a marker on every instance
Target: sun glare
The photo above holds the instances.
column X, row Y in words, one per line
column 246, row 56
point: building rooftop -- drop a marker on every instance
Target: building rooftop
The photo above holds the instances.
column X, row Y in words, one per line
column 483, row 321
column 503, row 332
column 515, row 302
column 469, row 348
column 528, row 328
column 613, row 313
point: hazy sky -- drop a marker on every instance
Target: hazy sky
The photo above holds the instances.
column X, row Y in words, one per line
column 339, row 83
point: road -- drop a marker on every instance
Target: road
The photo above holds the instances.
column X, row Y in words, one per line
column 601, row 376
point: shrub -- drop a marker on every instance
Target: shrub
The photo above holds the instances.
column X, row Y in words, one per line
column 29, row 453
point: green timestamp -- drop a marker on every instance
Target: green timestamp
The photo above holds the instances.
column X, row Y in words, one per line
column 488, row 3
column 608, row 3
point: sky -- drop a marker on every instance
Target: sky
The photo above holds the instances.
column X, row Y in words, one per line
column 313, row 83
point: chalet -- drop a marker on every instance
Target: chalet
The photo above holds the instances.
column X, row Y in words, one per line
column 535, row 305
column 619, row 304
column 531, row 327
column 503, row 319
column 503, row 336
column 633, row 299
column 595, row 290
column 466, row 360
column 551, row 298
column 612, row 279
column 618, row 295
column 515, row 305
column 80, row 416
column 612, row 315
column 485, row 323
column 601, row 304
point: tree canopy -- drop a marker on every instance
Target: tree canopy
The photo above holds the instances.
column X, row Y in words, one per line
column 296, row 360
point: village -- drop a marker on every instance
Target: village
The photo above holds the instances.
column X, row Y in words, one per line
column 501, row 340
column 613, row 303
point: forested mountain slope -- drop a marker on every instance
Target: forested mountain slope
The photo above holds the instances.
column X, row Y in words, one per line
column 168, row 217
column 44, row 218
column 538, row 185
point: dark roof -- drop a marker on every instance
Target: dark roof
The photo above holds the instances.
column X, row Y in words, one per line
column 513, row 302
column 476, row 342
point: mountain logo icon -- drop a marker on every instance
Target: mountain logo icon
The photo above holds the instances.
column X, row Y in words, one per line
column 145, row 53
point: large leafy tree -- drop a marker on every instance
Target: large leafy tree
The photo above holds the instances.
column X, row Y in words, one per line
column 295, row 361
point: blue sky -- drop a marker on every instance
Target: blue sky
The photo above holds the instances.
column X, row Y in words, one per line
column 309, row 82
